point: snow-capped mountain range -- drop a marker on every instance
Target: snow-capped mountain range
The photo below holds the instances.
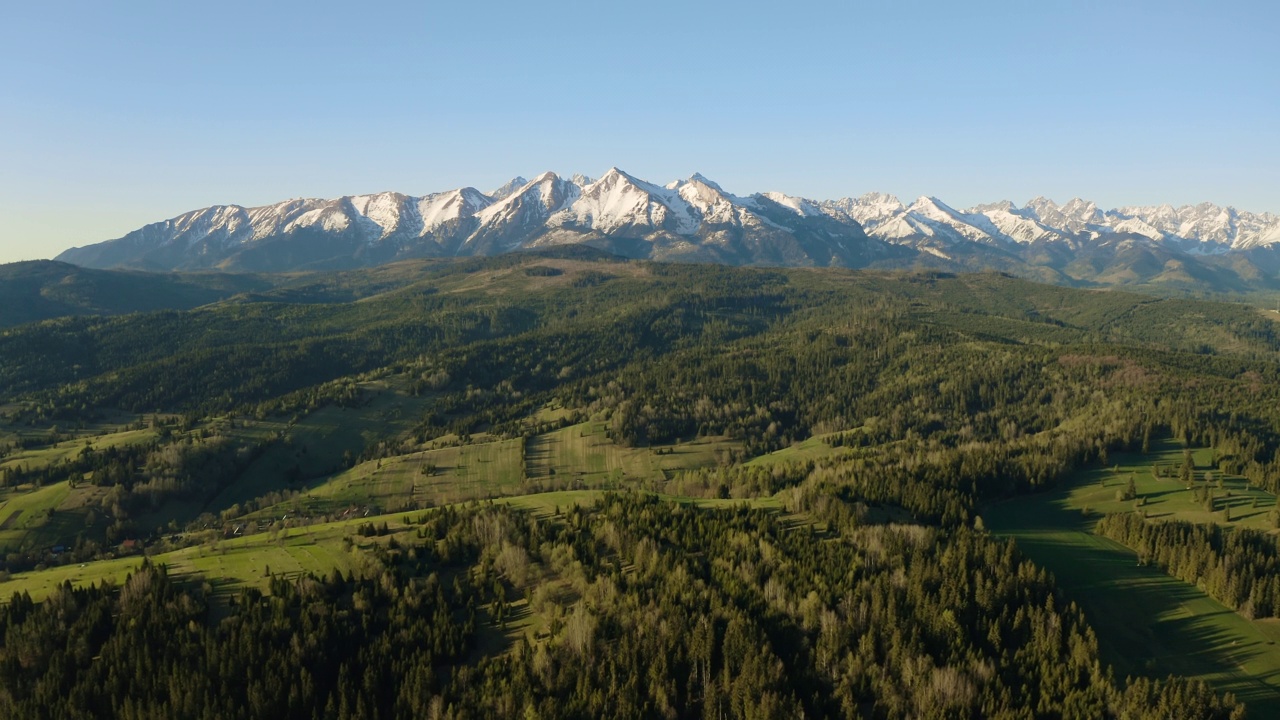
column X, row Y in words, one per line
column 1205, row 228
column 695, row 219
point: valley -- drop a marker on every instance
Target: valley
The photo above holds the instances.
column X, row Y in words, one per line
column 794, row 484
column 1148, row 622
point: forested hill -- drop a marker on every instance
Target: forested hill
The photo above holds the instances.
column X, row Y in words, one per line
column 569, row 485
column 546, row 324
column 42, row 289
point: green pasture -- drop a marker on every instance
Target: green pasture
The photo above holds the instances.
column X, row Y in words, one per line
column 231, row 563
column 227, row 563
column 585, row 452
column 441, row 476
column 32, row 519
column 318, row 443
column 243, row 561
column 813, row 448
column 41, row 457
column 487, row 467
column 35, row 517
column 1169, row 498
column 1147, row 622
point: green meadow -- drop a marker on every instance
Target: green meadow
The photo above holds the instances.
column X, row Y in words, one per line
column 40, row 457
column 577, row 456
column 228, row 562
column 814, row 448
column 1169, row 497
column 320, row 442
column 1147, row 622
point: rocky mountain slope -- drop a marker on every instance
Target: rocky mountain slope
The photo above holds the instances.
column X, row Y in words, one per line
column 1201, row 246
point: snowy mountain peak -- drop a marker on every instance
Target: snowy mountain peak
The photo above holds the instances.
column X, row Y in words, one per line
column 531, row 204
column 618, row 201
column 869, row 210
column 799, row 206
column 709, row 200
column 998, row 206
column 1041, row 201
column 613, row 175
column 699, row 177
column 879, row 198
column 932, row 204
column 689, row 219
column 510, row 187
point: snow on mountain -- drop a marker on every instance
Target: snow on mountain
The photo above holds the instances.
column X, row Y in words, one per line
column 1200, row 229
column 438, row 209
column 1016, row 225
column 270, row 220
column 974, row 227
column 534, row 202
column 928, row 220
column 510, row 187
column 1135, row 226
column 799, row 205
column 699, row 178
column 709, row 200
column 1219, row 228
column 385, row 210
column 618, row 200
column 869, row 211
column 373, row 218
column 1264, row 237
column 220, row 222
column 520, row 217
column 1075, row 218
column 693, row 218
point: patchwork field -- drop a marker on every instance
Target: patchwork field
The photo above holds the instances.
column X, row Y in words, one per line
column 575, row 457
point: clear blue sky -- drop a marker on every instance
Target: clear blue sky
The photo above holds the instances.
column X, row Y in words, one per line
column 115, row 114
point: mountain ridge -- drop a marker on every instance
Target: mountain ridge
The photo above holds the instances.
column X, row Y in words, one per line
column 695, row 219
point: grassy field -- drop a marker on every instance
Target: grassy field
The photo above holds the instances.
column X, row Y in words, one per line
column 811, row 449
column 1168, row 498
column 583, row 451
column 436, row 477
column 1147, row 622
column 243, row 561
column 40, row 457
column 35, row 517
column 232, row 563
column 32, row 519
column 317, row 443
column 227, row 563
column 576, row 456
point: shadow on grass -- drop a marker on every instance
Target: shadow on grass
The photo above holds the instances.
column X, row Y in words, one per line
column 1152, row 496
column 1147, row 622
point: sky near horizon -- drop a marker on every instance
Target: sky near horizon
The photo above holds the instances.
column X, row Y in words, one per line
column 114, row 115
